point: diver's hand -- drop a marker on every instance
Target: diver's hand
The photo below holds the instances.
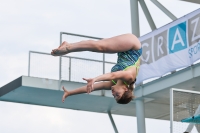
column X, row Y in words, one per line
column 65, row 95
column 90, row 84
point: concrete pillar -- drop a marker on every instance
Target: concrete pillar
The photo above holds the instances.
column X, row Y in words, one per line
column 135, row 17
column 140, row 116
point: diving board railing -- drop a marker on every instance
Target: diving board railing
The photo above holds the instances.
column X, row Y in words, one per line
column 70, row 68
column 78, row 37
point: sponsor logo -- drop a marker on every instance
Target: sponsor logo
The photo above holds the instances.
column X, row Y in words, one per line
column 194, row 50
column 177, row 38
column 194, row 35
column 182, row 36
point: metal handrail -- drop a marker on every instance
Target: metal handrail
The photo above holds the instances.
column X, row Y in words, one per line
column 72, row 34
column 73, row 57
column 70, row 58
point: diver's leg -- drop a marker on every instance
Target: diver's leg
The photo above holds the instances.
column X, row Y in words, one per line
column 106, row 85
column 110, row 45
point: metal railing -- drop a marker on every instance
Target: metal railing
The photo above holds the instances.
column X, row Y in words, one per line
column 82, row 36
column 60, row 63
column 41, row 63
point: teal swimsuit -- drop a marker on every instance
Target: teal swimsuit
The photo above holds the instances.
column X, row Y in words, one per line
column 126, row 59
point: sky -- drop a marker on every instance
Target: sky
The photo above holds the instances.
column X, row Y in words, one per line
column 35, row 25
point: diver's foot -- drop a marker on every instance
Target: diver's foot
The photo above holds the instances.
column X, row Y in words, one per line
column 65, row 95
column 61, row 50
column 62, row 44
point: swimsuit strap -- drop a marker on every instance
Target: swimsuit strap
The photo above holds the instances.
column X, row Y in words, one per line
column 130, row 83
column 124, row 82
column 137, row 66
column 114, row 82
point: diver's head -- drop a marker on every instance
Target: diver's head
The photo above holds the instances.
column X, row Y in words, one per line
column 122, row 93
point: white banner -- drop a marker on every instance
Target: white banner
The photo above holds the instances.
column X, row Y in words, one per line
column 170, row 47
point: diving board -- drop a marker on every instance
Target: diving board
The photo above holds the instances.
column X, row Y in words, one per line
column 47, row 92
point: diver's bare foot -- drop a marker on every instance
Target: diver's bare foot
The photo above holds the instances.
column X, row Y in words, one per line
column 61, row 50
column 62, row 44
column 65, row 95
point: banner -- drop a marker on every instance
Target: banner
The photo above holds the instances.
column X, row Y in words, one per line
column 173, row 46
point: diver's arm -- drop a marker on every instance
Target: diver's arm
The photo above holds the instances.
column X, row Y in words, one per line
column 122, row 75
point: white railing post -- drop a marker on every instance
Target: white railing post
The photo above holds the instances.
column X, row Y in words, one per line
column 60, row 67
column 29, row 61
column 70, row 68
column 103, row 91
column 171, row 111
column 60, row 58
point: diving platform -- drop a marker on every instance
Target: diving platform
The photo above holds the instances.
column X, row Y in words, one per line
column 47, row 92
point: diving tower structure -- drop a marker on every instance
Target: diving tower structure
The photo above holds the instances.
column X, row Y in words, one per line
column 155, row 94
column 47, row 92
column 152, row 97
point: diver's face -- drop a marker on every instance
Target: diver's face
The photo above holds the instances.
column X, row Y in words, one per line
column 118, row 91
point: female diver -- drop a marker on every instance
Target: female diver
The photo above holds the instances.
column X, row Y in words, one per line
column 123, row 75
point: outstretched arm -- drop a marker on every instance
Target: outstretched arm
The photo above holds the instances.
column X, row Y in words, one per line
column 119, row 75
column 122, row 75
column 98, row 86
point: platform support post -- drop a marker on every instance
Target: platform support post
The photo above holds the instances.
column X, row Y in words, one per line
column 112, row 121
column 147, row 14
column 165, row 10
column 135, row 17
column 140, row 116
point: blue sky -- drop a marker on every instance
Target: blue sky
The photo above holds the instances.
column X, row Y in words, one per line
column 35, row 25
